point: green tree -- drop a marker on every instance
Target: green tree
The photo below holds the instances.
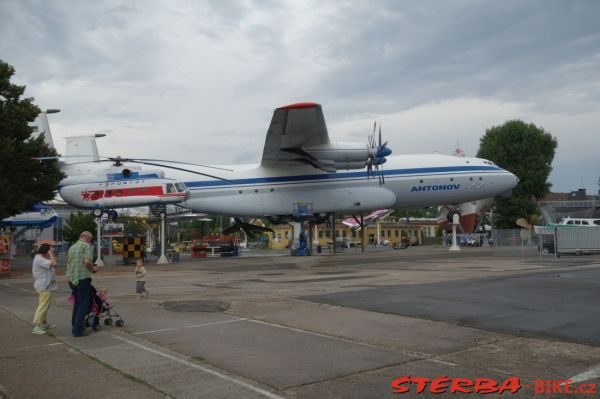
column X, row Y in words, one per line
column 527, row 151
column 25, row 181
column 429, row 212
column 76, row 224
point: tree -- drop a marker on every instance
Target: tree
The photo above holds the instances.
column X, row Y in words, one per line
column 429, row 212
column 527, row 151
column 24, row 180
column 76, row 224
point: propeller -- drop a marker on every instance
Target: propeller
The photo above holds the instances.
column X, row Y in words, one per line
column 377, row 154
column 527, row 225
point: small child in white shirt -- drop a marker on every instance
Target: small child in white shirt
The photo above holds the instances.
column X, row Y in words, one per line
column 140, row 277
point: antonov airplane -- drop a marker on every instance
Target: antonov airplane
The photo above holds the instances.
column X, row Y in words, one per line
column 303, row 175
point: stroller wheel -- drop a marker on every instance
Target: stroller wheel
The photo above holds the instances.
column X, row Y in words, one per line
column 97, row 327
column 120, row 323
column 108, row 322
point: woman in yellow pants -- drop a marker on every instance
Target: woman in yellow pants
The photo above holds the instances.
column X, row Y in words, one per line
column 44, row 283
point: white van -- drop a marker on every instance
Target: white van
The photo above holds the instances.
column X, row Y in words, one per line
column 568, row 221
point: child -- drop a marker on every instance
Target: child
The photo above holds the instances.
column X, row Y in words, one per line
column 103, row 295
column 140, row 277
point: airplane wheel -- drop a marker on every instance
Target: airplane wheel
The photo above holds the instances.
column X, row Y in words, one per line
column 120, row 323
column 112, row 215
column 108, row 322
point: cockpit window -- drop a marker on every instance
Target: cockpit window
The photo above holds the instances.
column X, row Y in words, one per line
column 170, row 189
column 180, row 187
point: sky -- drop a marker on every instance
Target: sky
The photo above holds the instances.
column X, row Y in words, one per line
column 197, row 81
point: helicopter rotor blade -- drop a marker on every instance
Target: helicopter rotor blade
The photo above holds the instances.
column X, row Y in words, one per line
column 183, row 163
column 183, row 170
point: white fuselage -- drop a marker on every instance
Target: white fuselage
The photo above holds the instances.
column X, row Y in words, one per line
column 410, row 181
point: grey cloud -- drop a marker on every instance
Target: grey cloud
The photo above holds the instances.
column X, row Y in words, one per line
column 496, row 49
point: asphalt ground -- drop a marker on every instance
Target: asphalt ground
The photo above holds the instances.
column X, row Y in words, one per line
column 331, row 326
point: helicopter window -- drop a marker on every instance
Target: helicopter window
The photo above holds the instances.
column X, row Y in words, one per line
column 179, row 187
column 170, row 188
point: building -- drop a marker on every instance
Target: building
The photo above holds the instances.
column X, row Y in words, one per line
column 389, row 231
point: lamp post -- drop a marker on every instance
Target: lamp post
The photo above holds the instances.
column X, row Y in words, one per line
column 98, row 215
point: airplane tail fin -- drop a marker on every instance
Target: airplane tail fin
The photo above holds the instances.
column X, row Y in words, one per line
column 41, row 127
column 81, row 149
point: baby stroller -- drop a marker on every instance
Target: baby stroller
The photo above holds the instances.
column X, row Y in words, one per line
column 100, row 308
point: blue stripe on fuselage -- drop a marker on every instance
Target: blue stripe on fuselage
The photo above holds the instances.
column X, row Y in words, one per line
column 337, row 176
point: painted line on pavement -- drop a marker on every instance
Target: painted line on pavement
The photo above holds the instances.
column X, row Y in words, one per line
column 19, row 288
column 332, row 337
column 589, row 374
column 39, row 346
column 205, row 369
column 194, row 326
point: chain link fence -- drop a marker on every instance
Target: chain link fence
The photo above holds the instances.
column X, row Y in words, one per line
column 516, row 242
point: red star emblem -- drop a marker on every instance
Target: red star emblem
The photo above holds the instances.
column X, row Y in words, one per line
column 86, row 195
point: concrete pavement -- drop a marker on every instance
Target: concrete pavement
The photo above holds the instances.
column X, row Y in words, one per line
column 339, row 326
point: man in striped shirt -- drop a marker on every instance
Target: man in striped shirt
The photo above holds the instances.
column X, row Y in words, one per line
column 80, row 267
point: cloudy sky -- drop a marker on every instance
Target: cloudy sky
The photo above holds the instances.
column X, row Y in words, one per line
column 197, row 81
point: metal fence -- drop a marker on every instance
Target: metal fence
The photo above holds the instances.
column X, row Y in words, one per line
column 515, row 242
column 551, row 241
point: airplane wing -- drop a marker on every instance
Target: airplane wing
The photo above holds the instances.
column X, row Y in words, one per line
column 354, row 223
column 293, row 127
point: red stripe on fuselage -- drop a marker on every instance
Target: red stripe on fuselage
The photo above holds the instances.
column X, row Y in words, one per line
column 95, row 195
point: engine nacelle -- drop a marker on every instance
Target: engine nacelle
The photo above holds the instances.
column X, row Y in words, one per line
column 341, row 156
column 339, row 152
column 350, row 165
